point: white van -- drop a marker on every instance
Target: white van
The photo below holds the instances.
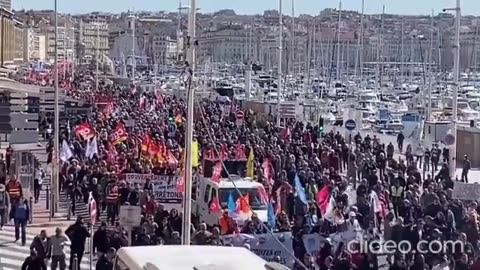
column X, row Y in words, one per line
column 190, row 258
column 206, row 190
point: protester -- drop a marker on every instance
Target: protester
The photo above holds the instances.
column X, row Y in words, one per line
column 33, row 262
column 78, row 234
column 21, row 217
column 41, row 246
column 58, row 243
column 321, row 185
column 4, row 206
column 37, row 183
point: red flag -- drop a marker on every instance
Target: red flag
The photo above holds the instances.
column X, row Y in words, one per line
column 85, row 131
column 223, row 152
column 215, row 206
column 263, row 195
column 240, row 152
column 286, row 134
column 119, row 135
column 171, row 159
column 181, row 181
column 323, row 199
column 267, row 170
column 217, row 172
column 278, row 205
column 243, row 205
column 146, row 142
column 143, row 103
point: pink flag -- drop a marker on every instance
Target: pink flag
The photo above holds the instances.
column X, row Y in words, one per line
column 217, row 172
column 267, row 170
column 323, row 199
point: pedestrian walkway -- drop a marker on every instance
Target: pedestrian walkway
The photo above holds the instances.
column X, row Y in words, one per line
column 13, row 254
column 41, row 215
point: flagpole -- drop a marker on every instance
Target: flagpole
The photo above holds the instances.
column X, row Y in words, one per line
column 54, row 190
column 187, row 199
column 91, row 246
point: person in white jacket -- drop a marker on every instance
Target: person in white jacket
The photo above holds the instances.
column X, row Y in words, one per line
column 38, row 182
column 419, row 152
column 443, row 265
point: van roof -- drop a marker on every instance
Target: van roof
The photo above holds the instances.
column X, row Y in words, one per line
column 188, row 257
column 240, row 183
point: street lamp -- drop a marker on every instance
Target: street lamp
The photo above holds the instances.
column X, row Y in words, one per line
column 55, row 168
column 456, row 72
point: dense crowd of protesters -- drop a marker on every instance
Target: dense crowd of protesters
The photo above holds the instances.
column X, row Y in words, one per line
column 307, row 173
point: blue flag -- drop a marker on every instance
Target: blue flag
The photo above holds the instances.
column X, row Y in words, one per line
column 231, row 205
column 271, row 216
column 300, row 190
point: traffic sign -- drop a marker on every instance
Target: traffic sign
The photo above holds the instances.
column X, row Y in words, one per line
column 449, row 139
column 350, row 125
column 172, row 127
column 130, row 215
column 240, row 116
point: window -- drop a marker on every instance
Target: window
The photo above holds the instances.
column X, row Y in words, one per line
column 254, row 194
column 214, row 194
column 207, row 193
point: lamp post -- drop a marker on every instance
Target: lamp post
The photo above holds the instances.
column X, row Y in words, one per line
column 187, row 199
column 97, row 57
column 55, row 168
column 456, row 71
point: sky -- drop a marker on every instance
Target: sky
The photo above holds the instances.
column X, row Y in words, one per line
column 413, row 7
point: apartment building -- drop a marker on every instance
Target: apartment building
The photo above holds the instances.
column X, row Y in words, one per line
column 229, row 44
column 6, row 4
column 92, row 35
column 11, row 39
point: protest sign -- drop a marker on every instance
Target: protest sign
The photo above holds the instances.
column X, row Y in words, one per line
column 265, row 245
column 313, row 243
column 164, row 187
column 466, row 191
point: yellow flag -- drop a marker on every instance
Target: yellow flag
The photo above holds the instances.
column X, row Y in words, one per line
column 250, row 164
column 195, row 154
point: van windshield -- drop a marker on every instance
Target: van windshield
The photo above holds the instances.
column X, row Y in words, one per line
column 255, row 197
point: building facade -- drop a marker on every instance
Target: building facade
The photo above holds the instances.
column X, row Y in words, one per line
column 11, row 39
column 230, row 44
column 6, row 4
column 92, row 35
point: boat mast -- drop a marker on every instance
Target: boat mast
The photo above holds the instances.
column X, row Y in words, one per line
column 292, row 42
column 402, row 53
column 359, row 53
column 430, row 71
column 280, row 58
column 379, row 43
column 338, row 38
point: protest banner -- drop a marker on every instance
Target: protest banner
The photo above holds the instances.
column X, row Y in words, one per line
column 466, row 191
column 164, row 188
column 313, row 243
column 265, row 245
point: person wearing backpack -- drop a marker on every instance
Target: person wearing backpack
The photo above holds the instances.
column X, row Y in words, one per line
column 4, row 206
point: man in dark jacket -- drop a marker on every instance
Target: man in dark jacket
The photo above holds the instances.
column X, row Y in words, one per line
column 101, row 240
column 33, row 262
column 78, row 234
column 41, row 246
column 105, row 262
